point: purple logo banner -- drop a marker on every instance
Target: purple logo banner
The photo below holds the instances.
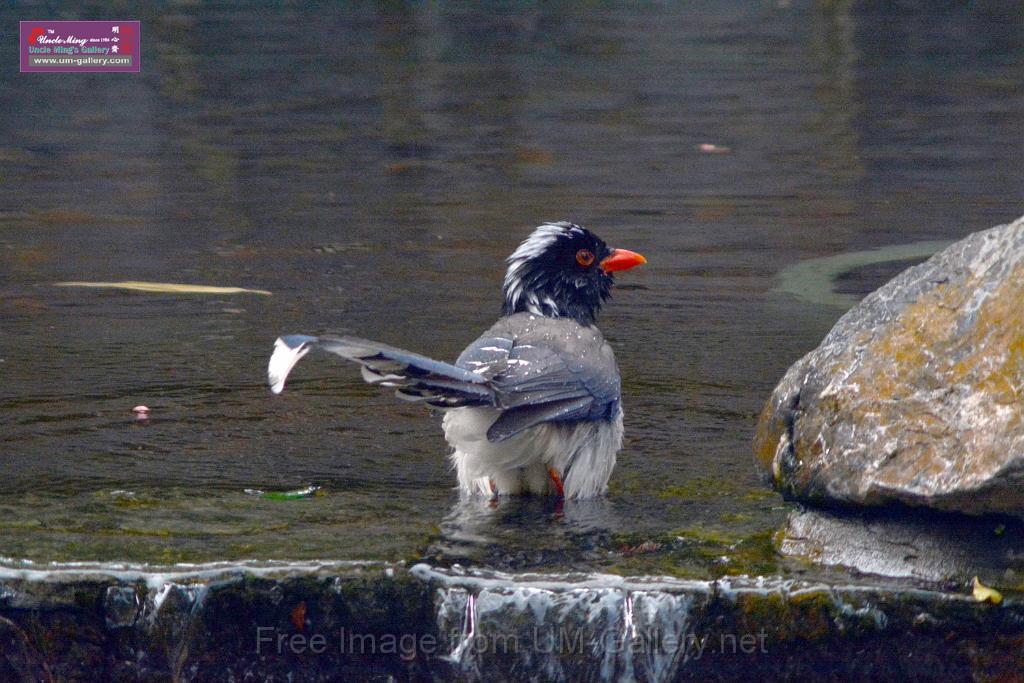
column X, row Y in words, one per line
column 80, row 46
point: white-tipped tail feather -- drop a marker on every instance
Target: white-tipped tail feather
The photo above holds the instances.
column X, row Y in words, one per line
column 415, row 377
column 287, row 352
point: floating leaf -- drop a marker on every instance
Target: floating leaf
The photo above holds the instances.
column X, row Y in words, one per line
column 307, row 492
column 164, row 287
column 983, row 593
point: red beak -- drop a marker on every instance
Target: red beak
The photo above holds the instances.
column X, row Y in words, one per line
column 621, row 259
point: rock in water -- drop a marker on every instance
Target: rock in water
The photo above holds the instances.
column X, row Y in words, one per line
column 917, row 394
column 937, row 548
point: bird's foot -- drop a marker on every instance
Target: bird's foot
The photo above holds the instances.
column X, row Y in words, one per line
column 556, row 480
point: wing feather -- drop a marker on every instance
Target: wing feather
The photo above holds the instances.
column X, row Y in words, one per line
column 547, row 371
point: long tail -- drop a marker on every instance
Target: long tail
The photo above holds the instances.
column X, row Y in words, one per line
column 415, row 377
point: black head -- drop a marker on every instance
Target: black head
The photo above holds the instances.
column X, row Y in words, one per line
column 563, row 271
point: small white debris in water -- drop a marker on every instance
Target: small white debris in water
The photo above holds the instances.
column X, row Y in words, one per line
column 141, row 412
column 709, row 148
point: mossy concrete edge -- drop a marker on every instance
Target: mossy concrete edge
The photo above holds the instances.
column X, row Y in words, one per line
column 375, row 620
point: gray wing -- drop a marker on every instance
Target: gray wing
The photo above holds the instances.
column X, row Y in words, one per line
column 551, row 371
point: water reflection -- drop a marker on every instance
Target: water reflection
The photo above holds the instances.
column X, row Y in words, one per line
column 524, row 531
column 933, row 547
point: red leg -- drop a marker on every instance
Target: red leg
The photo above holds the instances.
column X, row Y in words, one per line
column 556, row 479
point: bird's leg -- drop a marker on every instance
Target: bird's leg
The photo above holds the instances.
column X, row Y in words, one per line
column 556, row 480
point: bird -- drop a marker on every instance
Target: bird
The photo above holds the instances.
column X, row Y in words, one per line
column 533, row 406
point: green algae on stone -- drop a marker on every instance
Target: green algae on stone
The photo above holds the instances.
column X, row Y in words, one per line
column 697, row 552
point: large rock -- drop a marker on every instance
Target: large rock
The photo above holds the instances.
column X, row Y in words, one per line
column 917, row 393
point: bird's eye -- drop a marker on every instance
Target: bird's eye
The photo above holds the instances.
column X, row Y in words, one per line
column 584, row 257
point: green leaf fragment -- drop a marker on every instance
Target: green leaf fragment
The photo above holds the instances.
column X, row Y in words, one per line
column 308, row 492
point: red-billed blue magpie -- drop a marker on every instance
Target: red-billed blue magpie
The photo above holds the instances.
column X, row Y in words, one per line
column 533, row 405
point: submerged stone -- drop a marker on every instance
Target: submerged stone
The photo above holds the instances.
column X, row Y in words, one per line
column 917, row 394
column 937, row 548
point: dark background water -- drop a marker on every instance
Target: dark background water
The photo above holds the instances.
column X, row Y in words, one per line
column 371, row 166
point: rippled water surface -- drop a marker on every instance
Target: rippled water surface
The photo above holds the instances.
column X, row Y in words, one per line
column 371, row 168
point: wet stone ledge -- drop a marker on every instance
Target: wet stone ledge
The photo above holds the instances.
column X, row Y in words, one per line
column 371, row 621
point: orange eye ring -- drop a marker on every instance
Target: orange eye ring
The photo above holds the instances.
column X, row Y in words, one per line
column 585, row 257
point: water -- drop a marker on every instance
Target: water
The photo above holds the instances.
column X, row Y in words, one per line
column 371, row 167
